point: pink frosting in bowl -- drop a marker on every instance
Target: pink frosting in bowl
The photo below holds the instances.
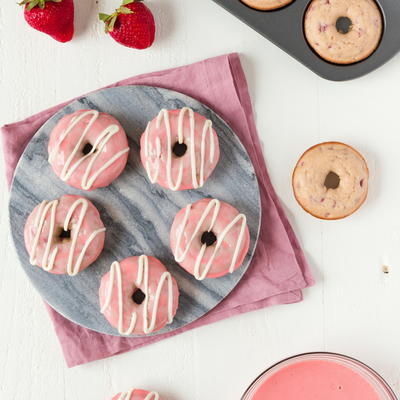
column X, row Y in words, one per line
column 318, row 376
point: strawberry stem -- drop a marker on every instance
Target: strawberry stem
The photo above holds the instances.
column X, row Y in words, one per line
column 30, row 4
column 111, row 19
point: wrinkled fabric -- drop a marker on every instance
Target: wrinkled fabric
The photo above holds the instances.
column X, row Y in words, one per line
column 278, row 270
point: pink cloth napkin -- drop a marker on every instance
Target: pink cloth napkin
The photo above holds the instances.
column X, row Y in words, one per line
column 278, row 270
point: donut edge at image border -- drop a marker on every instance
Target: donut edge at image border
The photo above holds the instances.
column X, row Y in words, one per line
column 248, row 3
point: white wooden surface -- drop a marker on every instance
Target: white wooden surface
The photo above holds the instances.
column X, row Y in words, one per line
column 353, row 309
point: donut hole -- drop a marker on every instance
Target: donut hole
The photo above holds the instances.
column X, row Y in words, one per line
column 64, row 235
column 87, row 148
column 344, row 25
column 138, row 296
column 208, row 238
column 179, row 149
column 332, row 180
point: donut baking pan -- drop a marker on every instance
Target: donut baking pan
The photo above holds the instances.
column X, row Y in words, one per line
column 284, row 27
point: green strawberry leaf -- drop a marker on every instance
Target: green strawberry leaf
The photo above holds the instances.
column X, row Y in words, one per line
column 110, row 20
column 111, row 25
column 125, row 10
column 104, row 17
column 32, row 4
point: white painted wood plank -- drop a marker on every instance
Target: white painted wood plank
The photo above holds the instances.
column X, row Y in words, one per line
column 353, row 307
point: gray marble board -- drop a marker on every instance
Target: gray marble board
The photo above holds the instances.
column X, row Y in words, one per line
column 137, row 214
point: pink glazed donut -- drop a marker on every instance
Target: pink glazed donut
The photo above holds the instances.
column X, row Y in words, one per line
column 64, row 236
column 179, row 149
column 209, row 238
column 138, row 295
column 137, row 394
column 88, row 149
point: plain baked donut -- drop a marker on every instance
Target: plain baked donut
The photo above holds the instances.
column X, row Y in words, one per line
column 266, row 5
column 138, row 295
column 209, row 238
column 64, row 236
column 88, row 149
column 330, row 180
column 343, row 31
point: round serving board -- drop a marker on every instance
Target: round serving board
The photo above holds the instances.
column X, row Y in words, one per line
column 137, row 214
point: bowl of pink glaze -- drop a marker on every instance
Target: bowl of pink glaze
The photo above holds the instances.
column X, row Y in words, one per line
column 315, row 376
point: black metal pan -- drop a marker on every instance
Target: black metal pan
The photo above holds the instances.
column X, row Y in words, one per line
column 284, row 27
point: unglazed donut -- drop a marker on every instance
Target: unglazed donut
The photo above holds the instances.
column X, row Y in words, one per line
column 138, row 295
column 88, row 149
column 343, row 31
column 179, row 149
column 64, row 236
column 137, row 394
column 266, row 5
column 330, row 180
column 209, row 238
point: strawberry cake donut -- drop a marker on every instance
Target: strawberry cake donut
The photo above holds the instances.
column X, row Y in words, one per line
column 209, row 238
column 137, row 394
column 138, row 295
column 330, row 181
column 88, row 149
column 266, row 5
column 179, row 149
column 343, row 31
column 64, row 236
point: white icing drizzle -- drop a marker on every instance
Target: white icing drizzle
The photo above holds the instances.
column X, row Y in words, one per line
column 142, row 280
column 97, row 147
column 216, row 205
column 49, row 255
column 149, row 396
column 207, row 128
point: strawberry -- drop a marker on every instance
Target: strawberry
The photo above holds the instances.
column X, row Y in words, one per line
column 132, row 24
column 54, row 17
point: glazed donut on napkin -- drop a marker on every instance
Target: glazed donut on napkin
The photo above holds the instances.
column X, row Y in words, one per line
column 179, row 149
column 64, row 236
column 209, row 238
column 88, row 149
column 138, row 295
